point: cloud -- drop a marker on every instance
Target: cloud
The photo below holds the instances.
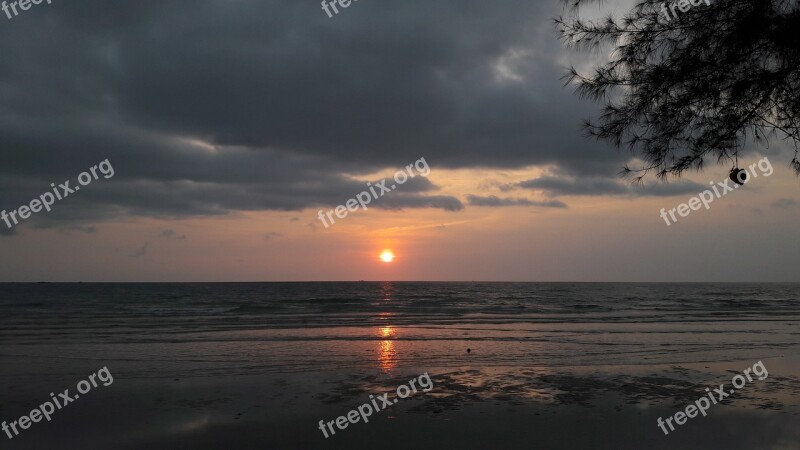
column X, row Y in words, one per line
column 494, row 201
column 87, row 230
column 574, row 186
column 670, row 189
column 228, row 106
column 172, row 234
column 784, row 203
column 401, row 201
column 139, row 252
column 564, row 185
column 272, row 235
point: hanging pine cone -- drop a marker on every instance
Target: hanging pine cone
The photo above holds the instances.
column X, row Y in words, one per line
column 738, row 176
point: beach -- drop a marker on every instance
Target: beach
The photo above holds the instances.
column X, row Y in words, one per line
column 259, row 365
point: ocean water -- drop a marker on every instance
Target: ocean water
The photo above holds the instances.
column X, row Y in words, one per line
column 159, row 330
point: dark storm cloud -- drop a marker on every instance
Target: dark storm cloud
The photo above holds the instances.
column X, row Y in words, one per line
column 209, row 106
column 494, row 201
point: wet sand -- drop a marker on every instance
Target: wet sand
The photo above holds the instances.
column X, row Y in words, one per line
column 469, row 408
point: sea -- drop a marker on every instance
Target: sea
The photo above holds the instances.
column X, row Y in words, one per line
column 221, row 329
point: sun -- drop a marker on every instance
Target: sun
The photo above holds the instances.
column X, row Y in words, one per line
column 387, row 256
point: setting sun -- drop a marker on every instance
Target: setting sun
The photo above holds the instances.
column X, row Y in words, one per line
column 387, row 256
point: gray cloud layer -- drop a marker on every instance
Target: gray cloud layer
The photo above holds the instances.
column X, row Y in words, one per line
column 494, row 201
column 563, row 185
column 204, row 107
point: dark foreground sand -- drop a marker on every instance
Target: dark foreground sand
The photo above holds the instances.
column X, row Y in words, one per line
column 468, row 408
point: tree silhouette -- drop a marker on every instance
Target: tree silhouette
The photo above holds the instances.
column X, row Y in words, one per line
column 680, row 89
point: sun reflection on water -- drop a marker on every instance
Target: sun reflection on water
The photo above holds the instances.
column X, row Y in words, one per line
column 387, row 355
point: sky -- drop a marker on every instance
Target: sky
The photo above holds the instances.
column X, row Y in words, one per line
column 230, row 124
